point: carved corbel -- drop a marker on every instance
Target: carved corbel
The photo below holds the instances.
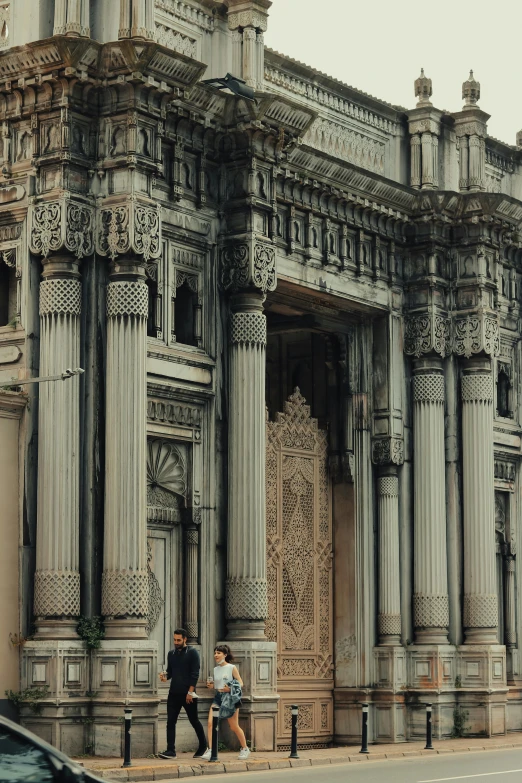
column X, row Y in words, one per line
column 388, row 451
column 61, row 225
column 427, row 333
column 131, row 227
column 475, row 334
column 249, row 264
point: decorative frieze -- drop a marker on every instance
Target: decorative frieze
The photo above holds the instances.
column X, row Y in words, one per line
column 427, row 333
column 173, row 413
column 186, row 13
column 345, row 143
column 131, row 227
column 61, row 225
column 176, row 41
column 388, row 451
column 245, row 265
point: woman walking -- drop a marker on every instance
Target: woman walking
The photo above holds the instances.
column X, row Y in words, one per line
column 224, row 673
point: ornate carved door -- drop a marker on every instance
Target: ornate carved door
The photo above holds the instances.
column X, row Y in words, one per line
column 299, row 571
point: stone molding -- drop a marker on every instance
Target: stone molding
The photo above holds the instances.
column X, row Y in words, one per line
column 388, row 451
column 428, row 388
column 125, row 593
column 247, row 598
column 61, row 225
column 129, row 228
column 248, row 328
column 127, row 298
column 427, row 333
column 477, row 388
column 480, row 611
column 476, row 334
column 245, row 265
column 60, row 296
column 431, row 611
column 57, row 594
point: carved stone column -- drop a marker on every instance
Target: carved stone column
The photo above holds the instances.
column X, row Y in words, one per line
column 136, row 19
column 71, row 17
column 130, row 235
column 509, row 601
column 480, row 590
column 248, row 21
column 60, row 232
column 389, row 617
column 191, row 621
column 431, row 607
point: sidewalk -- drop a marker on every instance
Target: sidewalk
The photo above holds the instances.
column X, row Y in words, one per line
column 186, row 766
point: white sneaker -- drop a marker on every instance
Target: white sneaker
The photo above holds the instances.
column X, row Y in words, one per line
column 244, row 753
column 206, row 755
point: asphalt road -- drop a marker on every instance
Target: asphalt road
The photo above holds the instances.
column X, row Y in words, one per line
column 502, row 766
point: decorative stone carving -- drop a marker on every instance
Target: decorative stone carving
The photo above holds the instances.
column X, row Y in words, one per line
column 505, row 470
column 125, row 593
column 155, row 598
column 388, row 485
column 248, row 328
column 60, row 296
column 428, row 333
column 5, row 25
column 131, row 227
column 166, row 481
column 58, row 225
column 389, row 624
column 428, row 388
column 477, row 388
column 244, row 266
column 57, row 593
column 480, row 611
column 388, row 451
column 176, row 41
column 173, row 413
column 247, row 598
column 431, row 611
column 127, row 298
column 345, row 143
column 476, row 334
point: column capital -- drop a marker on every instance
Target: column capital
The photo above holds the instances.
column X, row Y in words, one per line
column 248, row 264
column 427, row 333
column 131, row 227
column 476, row 334
column 62, row 225
column 388, row 451
column 248, row 13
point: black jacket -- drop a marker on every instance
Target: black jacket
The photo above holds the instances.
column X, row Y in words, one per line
column 183, row 669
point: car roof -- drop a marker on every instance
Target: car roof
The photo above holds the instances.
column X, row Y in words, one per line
column 23, row 732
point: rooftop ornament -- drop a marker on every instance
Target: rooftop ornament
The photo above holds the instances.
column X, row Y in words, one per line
column 423, row 90
column 471, row 91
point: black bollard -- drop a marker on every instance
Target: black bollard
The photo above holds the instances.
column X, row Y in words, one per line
column 215, row 732
column 364, row 742
column 429, row 743
column 293, row 747
column 128, row 723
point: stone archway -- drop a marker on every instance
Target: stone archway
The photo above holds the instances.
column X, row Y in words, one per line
column 299, row 571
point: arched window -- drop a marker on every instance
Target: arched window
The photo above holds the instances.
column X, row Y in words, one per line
column 504, row 407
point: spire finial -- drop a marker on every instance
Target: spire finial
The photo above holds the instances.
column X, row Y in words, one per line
column 423, row 90
column 471, row 91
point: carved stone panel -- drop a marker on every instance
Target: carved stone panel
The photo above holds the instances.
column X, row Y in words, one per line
column 299, row 563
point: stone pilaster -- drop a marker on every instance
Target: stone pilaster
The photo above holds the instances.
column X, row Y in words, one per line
column 431, row 612
column 57, row 578
column 125, row 579
column 247, row 605
column 191, row 621
column 480, row 591
column 509, row 602
column 389, row 617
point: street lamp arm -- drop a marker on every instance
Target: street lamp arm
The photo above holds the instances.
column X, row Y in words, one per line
column 45, row 379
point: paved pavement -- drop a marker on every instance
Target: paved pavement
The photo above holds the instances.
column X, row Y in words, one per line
column 461, row 759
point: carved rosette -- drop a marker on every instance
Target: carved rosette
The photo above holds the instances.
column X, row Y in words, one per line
column 129, row 228
column 388, row 451
column 248, row 266
column 61, row 225
column 476, row 334
column 427, row 333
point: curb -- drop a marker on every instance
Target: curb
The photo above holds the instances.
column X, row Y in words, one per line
column 171, row 772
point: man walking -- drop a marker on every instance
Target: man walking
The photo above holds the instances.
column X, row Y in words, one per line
column 183, row 673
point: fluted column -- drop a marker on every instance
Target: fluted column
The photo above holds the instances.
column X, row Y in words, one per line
column 247, row 605
column 509, row 601
column 191, row 621
column 415, row 175
column 480, row 591
column 57, row 578
column 431, row 606
column 125, row 579
column 71, row 17
column 389, row 618
column 136, row 19
column 427, row 160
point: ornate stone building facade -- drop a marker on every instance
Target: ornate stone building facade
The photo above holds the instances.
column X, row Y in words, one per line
column 299, row 425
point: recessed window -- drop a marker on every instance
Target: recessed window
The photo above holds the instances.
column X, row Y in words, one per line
column 185, row 315
column 7, row 295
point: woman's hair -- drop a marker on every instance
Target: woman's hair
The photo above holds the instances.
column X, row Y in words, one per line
column 224, row 648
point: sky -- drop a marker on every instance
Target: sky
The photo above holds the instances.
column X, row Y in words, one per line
column 379, row 47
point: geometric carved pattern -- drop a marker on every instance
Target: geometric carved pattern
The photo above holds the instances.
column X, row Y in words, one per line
column 166, row 480
column 299, row 555
column 57, row 594
column 240, row 271
column 428, row 388
column 476, row 334
column 388, row 451
column 388, row 485
column 127, row 298
column 61, row 224
column 426, row 333
column 60, row 296
column 389, row 624
column 248, row 328
column 431, row 611
column 125, row 593
column 477, row 388
column 129, row 227
column 246, row 598
column 480, row 611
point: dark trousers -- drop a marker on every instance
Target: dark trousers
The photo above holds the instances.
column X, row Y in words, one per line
column 174, row 704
